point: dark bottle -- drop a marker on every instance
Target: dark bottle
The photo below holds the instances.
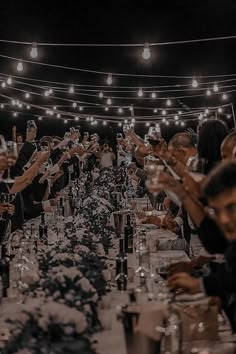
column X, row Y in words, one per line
column 34, row 239
column 71, row 199
column 4, row 270
column 128, row 236
column 61, row 206
column 43, row 230
column 121, row 260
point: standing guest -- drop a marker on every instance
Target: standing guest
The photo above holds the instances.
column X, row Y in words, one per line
column 106, row 157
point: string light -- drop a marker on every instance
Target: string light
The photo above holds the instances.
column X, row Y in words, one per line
column 106, row 109
column 208, row 92
column 147, row 124
column 120, row 124
column 28, row 107
column 95, row 122
column 3, row 84
column 100, row 95
column 194, row 83
column 34, row 51
column 71, row 89
column 132, row 124
column 20, row 66
column 109, row 101
column 177, row 122
column 91, row 119
column 206, row 110
column 2, row 105
column 229, row 116
column 179, row 113
column 120, row 110
column 81, row 108
column 140, row 92
column 87, row 119
column 20, row 105
column 9, row 81
column 220, row 110
column 200, row 116
column 176, row 117
column 163, row 112
column 215, row 87
column 167, row 123
column 131, row 108
column 104, row 122
column 126, row 121
column 168, row 102
column 65, row 121
column 109, row 79
column 13, row 102
column 146, row 54
column 155, row 110
column 133, row 120
column 163, row 120
column 74, row 104
column 76, row 119
column 224, row 96
column 182, row 124
column 46, row 93
column 27, row 95
column 54, row 107
column 39, row 118
column 15, row 114
column 50, row 91
column 153, row 95
column 58, row 115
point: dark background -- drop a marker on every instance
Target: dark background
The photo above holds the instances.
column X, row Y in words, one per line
column 117, row 22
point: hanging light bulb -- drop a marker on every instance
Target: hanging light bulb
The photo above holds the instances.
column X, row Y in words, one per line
column 163, row 120
column 3, row 84
column 13, row 102
column 104, row 122
column 215, row 87
column 119, row 124
column 81, row 108
column 20, row 66
column 55, row 108
column 229, row 116
column 100, row 95
column 126, row 121
column 40, row 118
column 153, row 95
column 34, row 51
column 74, row 104
column 28, row 107
column 50, row 91
column 2, row 105
column 146, row 54
column 95, row 122
column 224, row 96
column 194, row 82
column 9, row 81
column 208, row 92
column 140, row 92
column 46, row 93
column 200, row 116
column 91, row 119
column 27, row 95
column 179, row 113
column 58, row 115
column 109, row 79
column 120, row 110
column 106, row 109
column 109, row 101
column 163, row 112
column 15, row 114
column 220, row 110
column 133, row 120
column 155, row 110
column 177, row 122
column 182, row 124
column 131, row 108
column 20, row 105
column 76, row 118
column 65, row 121
column 71, row 89
column 168, row 102
column 176, row 117
column 206, row 110
column 147, row 124
column 167, row 123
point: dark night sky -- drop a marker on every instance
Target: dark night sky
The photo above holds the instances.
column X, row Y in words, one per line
column 114, row 22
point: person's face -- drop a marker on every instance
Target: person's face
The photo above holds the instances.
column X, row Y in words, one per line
column 181, row 154
column 226, row 151
column 106, row 147
column 19, row 139
column 224, row 211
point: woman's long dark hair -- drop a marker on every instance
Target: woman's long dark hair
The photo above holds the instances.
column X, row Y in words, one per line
column 211, row 133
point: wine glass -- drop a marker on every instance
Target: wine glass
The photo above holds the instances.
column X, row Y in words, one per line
column 3, row 200
column 3, row 149
column 12, row 155
column 154, row 134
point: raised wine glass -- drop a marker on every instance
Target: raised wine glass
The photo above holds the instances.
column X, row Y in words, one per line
column 12, row 155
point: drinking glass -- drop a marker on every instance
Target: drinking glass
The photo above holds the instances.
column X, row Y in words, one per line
column 12, row 155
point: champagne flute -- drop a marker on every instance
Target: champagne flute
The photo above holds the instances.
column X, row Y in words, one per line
column 12, row 155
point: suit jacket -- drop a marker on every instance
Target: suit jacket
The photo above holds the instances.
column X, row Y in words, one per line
column 211, row 237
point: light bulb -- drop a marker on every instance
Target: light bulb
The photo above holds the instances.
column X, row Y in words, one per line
column 163, row 120
column 168, row 102
column 133, row 120
column 132, row 124
column 220, row 110
column 120, row 110
column 28, row 107
column 180, row 112
column 194, row 83
column 167, row 123
column 9, row 81
column 206, row 110
column 182, row 124
column 215, row 87
column 2, row 105
column 34, row 51
column 81, row 108
column 71, row 89
column 224, row 96
column 55, row 108
column 50, row 91
column 15, row 114
column 200, row 116
column 27, row 95
column 109, row 101
column 208, row 92
column 131, row 108
column 74, row 104
column 104, row 122
column 109, row 79
column 228, row 116
column 13, row 102
column 58, row 115
column 20, row 66
column 3, row 84
column 120, row 124
column 147, row 124
column 46, row 93
column 95, row 122
column 146, row 54
column 91, row 119
column 140, row 92
column 153, row 95
column 87, row 119
column 126, row 121
column 65, row 121
column 20, row 105
column 76, row 119
column 177, row 122
column 155, row 110
column 100, row 95
column 163, row 112
column 39, row 118
column 176, row 117
column 106, row 109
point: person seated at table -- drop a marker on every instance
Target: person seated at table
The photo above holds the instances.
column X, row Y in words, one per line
column 220, row 192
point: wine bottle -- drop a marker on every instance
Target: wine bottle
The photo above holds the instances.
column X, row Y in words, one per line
column 128, row 236
column 71, row 199
column 4, row 270
column 121, row 259
column 61, row 206
column 43, row 230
